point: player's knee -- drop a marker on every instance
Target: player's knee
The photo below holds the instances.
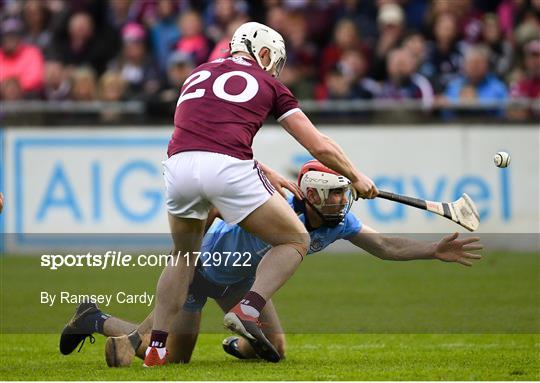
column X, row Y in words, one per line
column 301, row 244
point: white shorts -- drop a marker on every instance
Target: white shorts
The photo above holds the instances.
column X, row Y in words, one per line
column 196, row 180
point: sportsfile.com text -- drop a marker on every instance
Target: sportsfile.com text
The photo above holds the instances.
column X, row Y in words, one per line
column 119, row 259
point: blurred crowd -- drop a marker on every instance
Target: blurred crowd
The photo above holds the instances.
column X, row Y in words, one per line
column 437, row 51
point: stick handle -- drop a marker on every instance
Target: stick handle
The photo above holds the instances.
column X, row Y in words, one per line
column 411, row 201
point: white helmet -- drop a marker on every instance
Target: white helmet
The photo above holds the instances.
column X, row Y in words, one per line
column 315, row 175
column 252, row 37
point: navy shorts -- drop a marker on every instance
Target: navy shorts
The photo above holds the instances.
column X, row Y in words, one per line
column 201, row 289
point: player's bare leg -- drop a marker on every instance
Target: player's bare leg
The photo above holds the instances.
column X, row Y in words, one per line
column 173, row 283
column 183, row 336
column 88, row 320
column 114, row 326
column 120, row 350
column 275, row 223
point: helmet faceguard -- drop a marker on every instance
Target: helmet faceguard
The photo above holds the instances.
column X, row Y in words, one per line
column 323, row 180
column 252, row 37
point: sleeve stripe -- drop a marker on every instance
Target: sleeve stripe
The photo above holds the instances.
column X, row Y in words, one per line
column 287, row 114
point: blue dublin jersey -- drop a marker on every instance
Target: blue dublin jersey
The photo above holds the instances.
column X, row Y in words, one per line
column 230, row 254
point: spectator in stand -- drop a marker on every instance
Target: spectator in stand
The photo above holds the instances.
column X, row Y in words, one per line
column 530, row 10
column 20, row 60
column 527, row 22
column 164, row 33
column 336, row 86
column 121, row 12
column 80, row 44
column 506, row 14
column 221, row 49
column 193, row 40
column 276, row 18
column 529, row 85
column 135, row 64
column 219, row 15
column 90, row 32
column 468, row 18
column 444, row 54
column 57, row 12
column 299, row 73
column 348, row 80
column 416, row 44
column 319, row 14
column 56, row 85
column 477, row 85
column 111, row 87
column 83, row 84
column 180, row 66
column 10, row 89
column 36, row 17
column 356, row 67
column 364, row 14
column 391, row 21
column 403, row 82
column 501, row 49
column 346, row 37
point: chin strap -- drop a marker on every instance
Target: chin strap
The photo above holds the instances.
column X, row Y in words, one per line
column 330, row 222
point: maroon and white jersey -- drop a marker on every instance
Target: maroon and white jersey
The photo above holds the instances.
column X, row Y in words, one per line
column 223, row 104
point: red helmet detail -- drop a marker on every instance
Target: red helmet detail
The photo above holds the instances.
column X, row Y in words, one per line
column 314, row 165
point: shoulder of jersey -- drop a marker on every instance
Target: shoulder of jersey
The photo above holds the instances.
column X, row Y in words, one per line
column 235, row 60
column 243, row 62
column 351, row 216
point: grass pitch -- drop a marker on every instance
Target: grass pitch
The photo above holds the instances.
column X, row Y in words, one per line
column 348, row 317
column 310, row 357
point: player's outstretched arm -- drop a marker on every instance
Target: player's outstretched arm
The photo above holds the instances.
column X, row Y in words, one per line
column 1, row 202
column 279, row 182
column 328, row 152
column 448, row 249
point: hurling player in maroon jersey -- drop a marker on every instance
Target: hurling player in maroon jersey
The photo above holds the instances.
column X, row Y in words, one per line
column 221, row 107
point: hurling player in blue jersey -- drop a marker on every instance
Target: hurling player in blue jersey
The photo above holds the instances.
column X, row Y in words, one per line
column 228, row 263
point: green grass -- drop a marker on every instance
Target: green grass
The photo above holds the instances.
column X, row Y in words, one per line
column 347, row 317
column 310, row 357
